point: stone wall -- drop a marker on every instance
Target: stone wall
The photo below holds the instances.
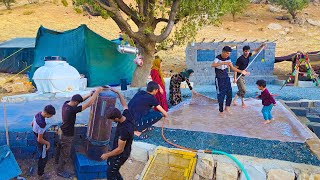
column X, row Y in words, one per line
column 219, row 167
column 199, row 57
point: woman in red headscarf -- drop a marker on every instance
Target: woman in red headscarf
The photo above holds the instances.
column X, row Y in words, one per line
column 157, row 76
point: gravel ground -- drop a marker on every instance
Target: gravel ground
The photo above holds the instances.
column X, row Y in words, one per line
column 287, row 151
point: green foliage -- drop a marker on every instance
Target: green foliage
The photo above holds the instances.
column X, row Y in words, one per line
column 27, row 12
column 7, row 3
column 77, row 10
column 65, row 3
column 191, row 16
column 292, row 6
column 235, row 6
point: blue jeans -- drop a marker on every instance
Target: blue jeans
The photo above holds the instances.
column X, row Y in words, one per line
column 224, row 90
column 148, row 120
column 266, row 111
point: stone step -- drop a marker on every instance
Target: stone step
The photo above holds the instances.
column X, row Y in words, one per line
column 315, row 127
column 299, row 111
column 314, row 118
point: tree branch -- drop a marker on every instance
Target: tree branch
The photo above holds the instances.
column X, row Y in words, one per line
column 120, row 21
column 132, row 14
column 158, row 20
column 140, row 7
column 167, row 31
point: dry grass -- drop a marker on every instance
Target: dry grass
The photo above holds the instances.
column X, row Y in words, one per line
column 252, row 25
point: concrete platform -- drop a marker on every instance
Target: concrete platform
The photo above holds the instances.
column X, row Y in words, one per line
column 201, row 114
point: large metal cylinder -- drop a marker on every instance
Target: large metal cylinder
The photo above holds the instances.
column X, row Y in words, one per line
column 99, row 127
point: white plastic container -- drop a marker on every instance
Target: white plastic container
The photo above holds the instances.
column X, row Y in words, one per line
column 57, row 76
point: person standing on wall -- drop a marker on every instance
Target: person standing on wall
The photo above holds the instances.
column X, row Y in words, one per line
column 69, row 113
column 122, row 141
column 242, row 64
column 223, row 85
column 175, row 83
column 157, row 76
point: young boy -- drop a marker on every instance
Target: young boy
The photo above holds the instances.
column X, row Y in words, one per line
column 267, row 101
column 122, row 141
column 39, row 128
column 221, row 64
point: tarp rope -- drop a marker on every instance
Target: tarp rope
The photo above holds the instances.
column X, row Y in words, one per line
column 205, row 151
column 18, row 73
column 16, row 52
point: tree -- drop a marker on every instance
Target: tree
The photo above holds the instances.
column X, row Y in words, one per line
column 292, row 6
column 235, row 7
column 7, row 3
column 186, row 17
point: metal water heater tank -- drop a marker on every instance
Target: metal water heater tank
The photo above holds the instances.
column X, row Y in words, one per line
column 99, row 127
column 56, row 76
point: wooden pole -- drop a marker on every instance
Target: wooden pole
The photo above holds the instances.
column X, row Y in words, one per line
column 6, row 122
column 296, row 77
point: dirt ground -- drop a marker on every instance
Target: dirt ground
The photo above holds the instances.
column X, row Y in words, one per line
column 25, row 19
column 129, row 170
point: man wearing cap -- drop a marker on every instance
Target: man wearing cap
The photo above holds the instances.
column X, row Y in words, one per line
column 223, row 85
column 242, row 64
column 69, row 112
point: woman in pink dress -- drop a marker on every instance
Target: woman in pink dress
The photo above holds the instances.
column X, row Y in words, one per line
column 157, row 76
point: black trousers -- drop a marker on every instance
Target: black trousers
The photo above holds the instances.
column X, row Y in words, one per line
column 224, row 89
column 42, row 162
column 114, row 164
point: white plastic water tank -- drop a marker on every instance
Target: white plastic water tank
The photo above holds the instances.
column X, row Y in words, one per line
column 57, row 76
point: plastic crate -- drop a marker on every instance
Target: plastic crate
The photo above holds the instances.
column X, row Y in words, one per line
column 170, row 164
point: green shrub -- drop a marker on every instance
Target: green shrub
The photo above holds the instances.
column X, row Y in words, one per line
column 64, row 2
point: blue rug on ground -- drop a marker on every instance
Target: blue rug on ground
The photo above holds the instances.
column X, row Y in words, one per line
column 287, row 151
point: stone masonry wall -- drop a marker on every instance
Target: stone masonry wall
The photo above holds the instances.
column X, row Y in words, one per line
column 200, row 56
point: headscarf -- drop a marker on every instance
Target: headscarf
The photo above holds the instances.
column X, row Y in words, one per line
column 156, row 66
column 186, row 73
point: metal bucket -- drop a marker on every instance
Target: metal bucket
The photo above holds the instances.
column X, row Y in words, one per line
column 99, row 127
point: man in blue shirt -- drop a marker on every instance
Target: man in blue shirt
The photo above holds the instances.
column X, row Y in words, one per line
column 140, row 106
column 223, row 85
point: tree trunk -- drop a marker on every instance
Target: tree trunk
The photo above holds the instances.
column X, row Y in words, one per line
column 141, row 74
column 234, row 17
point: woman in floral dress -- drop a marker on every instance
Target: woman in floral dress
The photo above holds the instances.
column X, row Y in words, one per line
column 175, row 83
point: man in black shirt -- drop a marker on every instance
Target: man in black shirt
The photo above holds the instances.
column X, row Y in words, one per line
column 69, row 113
column 242, row 63
column 221, row 64
column 122, row 141
column 141, row 106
